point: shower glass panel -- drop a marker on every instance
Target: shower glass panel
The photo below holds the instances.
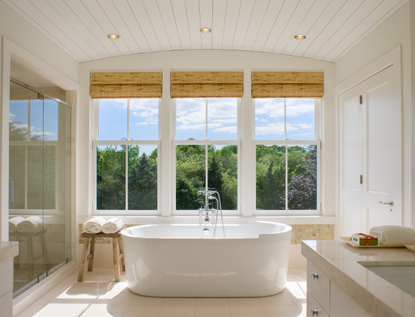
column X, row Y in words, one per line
column 39, row 184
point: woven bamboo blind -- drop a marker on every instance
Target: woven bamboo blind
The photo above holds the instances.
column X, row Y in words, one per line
column 125, row 85
column 287, row 84
column 206, row 84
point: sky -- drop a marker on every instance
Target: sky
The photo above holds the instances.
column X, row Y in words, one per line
column 43, row 117
column 269, row 119
column 113, row 117
column 190, row 121
column 221, row 119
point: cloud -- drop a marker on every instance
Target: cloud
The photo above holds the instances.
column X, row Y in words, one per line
column 270, row 107
column 191, row 127
column 43, row 133
column 270, row 129
column 146, row 122
column 302, row 134
column 144, row 114
column 19, row 125
column 291, row 127
column 198, row 126
column 295, row 110
column 305, row 126
column 190, row 113
column 144, row 107
column 274, row 108
column 230, row 129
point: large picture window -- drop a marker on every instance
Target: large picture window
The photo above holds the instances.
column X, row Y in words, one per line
column 126, row 154
column 287, row 149
column 206, row 148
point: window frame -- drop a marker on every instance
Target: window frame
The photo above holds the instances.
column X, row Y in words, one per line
column 96, row 142
column 175, row 142
column 317, row 142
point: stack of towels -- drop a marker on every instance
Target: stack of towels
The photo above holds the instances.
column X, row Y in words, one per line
column 98, row 224
column 394, row 235
column 26, row 225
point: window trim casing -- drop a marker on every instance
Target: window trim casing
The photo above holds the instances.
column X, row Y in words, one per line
column 317, row 142
column 175, row 142
column 96, row 142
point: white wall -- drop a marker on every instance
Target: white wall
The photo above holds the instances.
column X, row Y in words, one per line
column 201, row 61
column 20, row 32
column 393, row 32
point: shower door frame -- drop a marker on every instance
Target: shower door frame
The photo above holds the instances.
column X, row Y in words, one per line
column 27, row 211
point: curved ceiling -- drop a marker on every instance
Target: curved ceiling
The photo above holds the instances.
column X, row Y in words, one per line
column 80, row 27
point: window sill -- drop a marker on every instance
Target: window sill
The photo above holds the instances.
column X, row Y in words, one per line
column 290, row 220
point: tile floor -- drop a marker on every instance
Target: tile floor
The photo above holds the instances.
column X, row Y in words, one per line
column 100, row 296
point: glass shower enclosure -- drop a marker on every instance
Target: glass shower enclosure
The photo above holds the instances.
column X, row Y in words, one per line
column 39, row 184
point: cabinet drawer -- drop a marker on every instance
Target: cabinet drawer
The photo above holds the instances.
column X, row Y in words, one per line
column 319, row 286
column 313, row 307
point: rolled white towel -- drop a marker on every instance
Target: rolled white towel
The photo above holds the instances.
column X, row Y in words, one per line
column 30, row 224
column 13, row 223
column 393, row 235
column 113, row 225
column 94, row 225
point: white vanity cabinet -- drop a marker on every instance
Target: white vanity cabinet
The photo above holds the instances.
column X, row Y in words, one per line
column 8, row 250
column 325, row 299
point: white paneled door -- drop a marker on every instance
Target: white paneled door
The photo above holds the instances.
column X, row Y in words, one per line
column 370, row 154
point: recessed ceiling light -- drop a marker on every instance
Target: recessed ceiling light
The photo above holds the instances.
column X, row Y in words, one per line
column 300, row 37
column 113, row 36
column 205, row 30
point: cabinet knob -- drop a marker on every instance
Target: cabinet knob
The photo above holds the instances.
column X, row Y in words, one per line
column 314, row 312
column 314, row 275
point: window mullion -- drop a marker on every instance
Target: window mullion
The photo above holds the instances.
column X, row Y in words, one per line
column 285, row 121
column 206, row 149
column 126, row 155
column 128, row 119
column 126, row 177
column 286, row 177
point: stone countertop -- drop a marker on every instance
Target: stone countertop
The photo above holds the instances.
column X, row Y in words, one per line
column 8, row 250
column 340, row 263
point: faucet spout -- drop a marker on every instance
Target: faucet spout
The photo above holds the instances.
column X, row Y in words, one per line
column 212, row 195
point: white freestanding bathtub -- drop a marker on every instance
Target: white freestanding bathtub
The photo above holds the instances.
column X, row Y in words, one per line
column 186, row 261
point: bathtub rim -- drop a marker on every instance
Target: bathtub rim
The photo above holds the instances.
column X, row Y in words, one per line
column 207, row 296
column 286, row 229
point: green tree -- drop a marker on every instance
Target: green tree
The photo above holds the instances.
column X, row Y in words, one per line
column 273, row 188
column 142, row 184
column 190, row 176
column 302, row 187
column 111, row 178
column 186, row 195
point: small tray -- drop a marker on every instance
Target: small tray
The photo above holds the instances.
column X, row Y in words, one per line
column 347, row 240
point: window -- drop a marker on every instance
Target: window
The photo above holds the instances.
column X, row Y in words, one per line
column 206, row 146
column 287, row 152
column 126, row 154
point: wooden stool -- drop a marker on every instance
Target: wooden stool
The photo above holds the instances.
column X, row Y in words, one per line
column 44, row 254
column 90, row 242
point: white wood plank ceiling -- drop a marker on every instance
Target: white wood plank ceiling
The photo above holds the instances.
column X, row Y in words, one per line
column 80, row 27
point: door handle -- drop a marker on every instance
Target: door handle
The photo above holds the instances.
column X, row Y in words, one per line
column 11, row 188
column 390, row 203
